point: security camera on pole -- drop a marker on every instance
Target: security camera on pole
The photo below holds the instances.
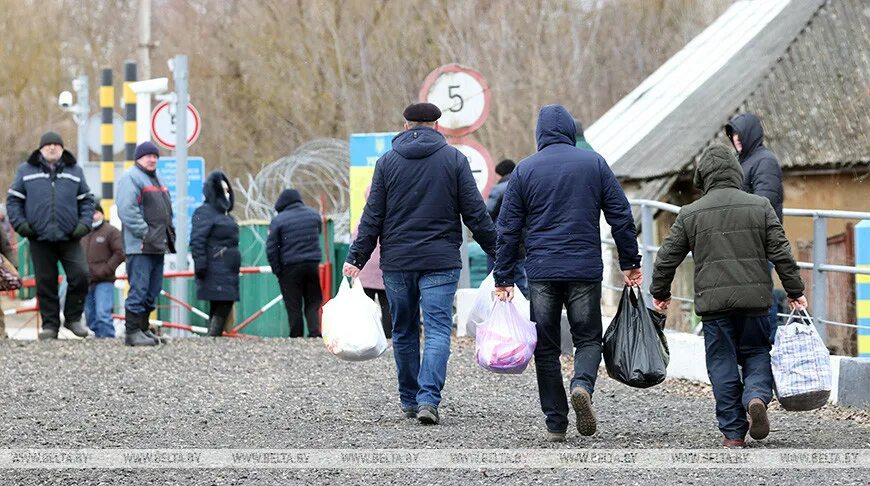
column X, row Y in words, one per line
column 80, row 112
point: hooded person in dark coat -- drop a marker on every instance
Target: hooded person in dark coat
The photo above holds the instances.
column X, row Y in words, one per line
column 554, row 203
column 293, row 250
column 214, row 246
column 762, row 173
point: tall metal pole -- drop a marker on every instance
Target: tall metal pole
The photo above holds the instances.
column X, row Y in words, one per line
column 145, row 38
column 82, row 113
column 648, row 255
column 819, row 307
column 181, row 77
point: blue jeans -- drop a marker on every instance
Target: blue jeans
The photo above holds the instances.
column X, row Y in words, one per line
column 145, row 274
column 729, row 342
column 98, row 309
column 407, row 292
column 583, row 303
column 520, row 278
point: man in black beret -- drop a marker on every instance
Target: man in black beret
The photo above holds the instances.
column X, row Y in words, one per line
column 51, row 205
column 419, row 190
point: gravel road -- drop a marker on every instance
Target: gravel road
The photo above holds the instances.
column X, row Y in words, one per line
column 233, row 393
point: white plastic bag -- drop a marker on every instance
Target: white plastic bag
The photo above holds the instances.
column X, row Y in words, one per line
column 351, row 325
column 801, row 365
column 506, row 342
column 483, row 304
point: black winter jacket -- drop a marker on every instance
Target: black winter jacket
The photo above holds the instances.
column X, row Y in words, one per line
column 557, row 196
column 294, row 233
column 496, row 197
column 214, row 243
column 53, row 201
column 732, row 235
column 762, row 173
column 422, row 192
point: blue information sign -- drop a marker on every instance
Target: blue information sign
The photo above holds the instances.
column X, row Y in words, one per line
column 195, row 178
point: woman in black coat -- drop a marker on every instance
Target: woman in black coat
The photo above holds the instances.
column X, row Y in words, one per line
column 214, row 246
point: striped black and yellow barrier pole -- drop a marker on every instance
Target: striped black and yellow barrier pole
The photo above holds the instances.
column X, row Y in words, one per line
column 129, row 114
column 107, row 166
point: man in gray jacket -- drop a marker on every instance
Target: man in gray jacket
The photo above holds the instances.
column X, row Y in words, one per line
column 146, row 213
column 51, row 205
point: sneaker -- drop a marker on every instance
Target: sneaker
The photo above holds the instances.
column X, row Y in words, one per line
column 582, row 403
column 759, row 425
column 47, row 333
column 428, row 415
column 733, row 443
column 555, row 436
column 410, row 412
column 77, row 328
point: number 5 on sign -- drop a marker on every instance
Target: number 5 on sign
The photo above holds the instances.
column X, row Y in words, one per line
column 462, row 95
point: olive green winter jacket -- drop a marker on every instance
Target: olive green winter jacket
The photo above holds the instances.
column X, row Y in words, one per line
column 732, row 235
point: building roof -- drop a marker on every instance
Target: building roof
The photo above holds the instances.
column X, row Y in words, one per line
column 658, row 128
column 815, row 102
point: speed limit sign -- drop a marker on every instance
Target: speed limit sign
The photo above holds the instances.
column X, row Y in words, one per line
column 462, row 95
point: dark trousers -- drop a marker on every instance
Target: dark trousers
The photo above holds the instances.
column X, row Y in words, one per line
column 46, row 256
column 386, row 319
column 731, row 342
column 220, row 308
column 583, row 302
column 300, row 286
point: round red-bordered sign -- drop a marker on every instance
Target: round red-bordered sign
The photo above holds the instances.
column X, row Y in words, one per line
column 480, row 161
column 161, row 125
column 463, row 96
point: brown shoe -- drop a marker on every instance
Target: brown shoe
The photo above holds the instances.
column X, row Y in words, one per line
column 582, row 403
column 759, row 425
column 733, row 443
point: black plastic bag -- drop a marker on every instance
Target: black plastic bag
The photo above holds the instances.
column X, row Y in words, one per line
column 635, row 349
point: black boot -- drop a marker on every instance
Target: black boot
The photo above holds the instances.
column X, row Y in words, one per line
column 146, row 330
column 216, row 326
column 135, row 336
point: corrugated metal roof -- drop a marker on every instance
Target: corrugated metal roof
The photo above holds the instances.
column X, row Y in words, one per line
column 660, row 126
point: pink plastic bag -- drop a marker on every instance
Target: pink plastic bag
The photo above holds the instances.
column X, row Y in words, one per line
column 506, row 342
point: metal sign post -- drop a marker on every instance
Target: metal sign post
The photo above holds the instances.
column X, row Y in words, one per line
column 180, row 75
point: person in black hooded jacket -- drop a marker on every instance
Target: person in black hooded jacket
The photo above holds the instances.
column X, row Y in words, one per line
column 214, row 246
column 293, row 250
column 762, row 174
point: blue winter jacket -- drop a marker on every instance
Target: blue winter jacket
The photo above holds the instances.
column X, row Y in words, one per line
column 421, row 193
column 214, row 242
column 294, row 233
column 53, row 202
column 557, row 195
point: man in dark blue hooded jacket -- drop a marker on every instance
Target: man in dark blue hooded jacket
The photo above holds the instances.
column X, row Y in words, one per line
column 557, row 196
column 421, row 193
column 762, row 176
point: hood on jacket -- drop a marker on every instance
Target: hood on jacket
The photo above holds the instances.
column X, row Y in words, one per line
column 555, row 125
column 214, row 193
column 287, row 197
column 418, row 143
column 748, row 128
column 66, row 158
column 718, row 169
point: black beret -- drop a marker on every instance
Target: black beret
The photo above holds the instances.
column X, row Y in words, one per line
column 421, row 112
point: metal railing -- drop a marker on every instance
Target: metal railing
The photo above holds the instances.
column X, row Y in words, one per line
column 819, row 265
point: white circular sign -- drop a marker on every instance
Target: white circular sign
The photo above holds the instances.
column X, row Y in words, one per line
column 95, row 126
column 462, row 95
column 480, row 167
column 163, row 125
